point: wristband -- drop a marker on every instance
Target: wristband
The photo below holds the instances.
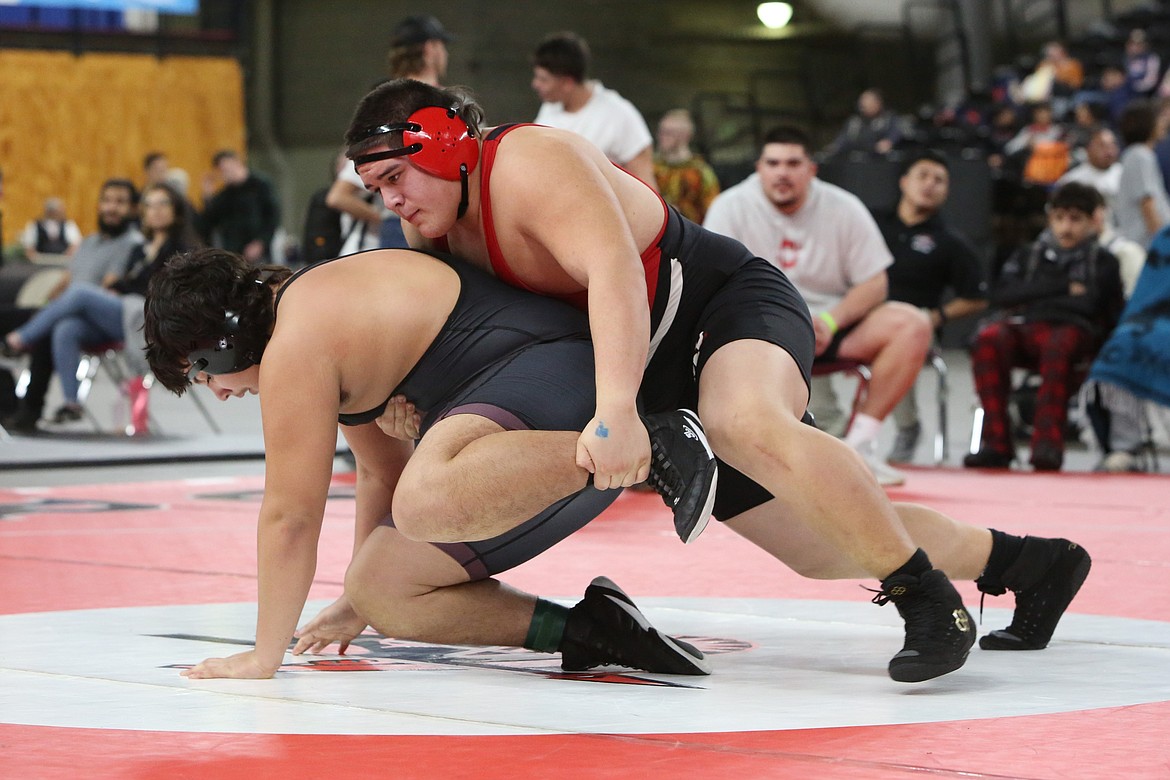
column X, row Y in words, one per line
column 828, row 320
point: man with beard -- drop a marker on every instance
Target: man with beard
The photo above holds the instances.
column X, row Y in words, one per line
column 100, row 260
column 828, row 245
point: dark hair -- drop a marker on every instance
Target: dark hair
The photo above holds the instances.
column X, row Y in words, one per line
column 394, row 101
column 789, row 134
column 1076, row 197
column 187, row 303
column 124, row 184
column 149, row 159
column 181, row 229
column 929, row 155
column 223, row 154
column 563, row 54
column 1137, row 122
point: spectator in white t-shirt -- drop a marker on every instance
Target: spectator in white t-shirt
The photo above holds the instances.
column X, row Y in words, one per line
column 571, row 102
column 1101, row 169
column 828, row 244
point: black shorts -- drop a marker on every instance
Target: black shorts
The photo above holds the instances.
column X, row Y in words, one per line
column 727, row 294
column 547, row 387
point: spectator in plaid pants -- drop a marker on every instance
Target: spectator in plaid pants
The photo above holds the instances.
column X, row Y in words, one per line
column 1058, row 298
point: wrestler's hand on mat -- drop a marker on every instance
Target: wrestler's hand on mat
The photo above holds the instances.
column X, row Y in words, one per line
column 400, row 420
column 336, row 623
column 615, row 448
column 241, row 666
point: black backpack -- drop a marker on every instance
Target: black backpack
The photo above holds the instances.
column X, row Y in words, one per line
column 323, row 237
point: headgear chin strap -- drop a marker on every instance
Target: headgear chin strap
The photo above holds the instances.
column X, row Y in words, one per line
column 437, row 140
column 221, row 356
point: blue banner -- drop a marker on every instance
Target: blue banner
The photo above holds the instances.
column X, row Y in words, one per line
column 187, row 7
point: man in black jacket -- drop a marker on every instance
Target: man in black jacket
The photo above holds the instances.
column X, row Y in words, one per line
column 1058, row 298
column 244, row 214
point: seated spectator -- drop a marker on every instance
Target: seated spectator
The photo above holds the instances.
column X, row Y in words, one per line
column 1142, row 207
column 1143, row 66
column 1087, row 116
column 1101, row 169
column 872, row 130
column 1054, row 80
column 1133, row 366
column 1041, row 146
column 157, row 169
column 243, row 215
column 99, row 261
column 930, row 260
column 827, row 243
column 1003, row 124
column 52, row 234
column 1057, row 299
column 87, row 314
column 1113, row 91
column 684, row 178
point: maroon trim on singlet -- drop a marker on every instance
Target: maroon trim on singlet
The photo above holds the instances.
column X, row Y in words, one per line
column 651, row 258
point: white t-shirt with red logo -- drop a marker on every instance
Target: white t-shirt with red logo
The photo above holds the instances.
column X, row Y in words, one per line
column 827, row 247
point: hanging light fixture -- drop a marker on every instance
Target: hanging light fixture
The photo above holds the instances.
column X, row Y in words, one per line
column 774, row 15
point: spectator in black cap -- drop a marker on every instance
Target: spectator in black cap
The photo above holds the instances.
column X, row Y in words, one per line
column 418, row 49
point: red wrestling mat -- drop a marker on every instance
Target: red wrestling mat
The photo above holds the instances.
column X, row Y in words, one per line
column 155, row 551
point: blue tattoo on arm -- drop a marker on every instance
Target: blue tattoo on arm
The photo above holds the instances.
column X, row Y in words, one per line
column 602, row 432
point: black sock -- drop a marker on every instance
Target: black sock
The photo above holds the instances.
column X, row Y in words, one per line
column 918, row 565
column 547, row 627
column 1005, row 548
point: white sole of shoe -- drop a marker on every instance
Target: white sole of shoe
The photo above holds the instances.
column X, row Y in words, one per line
column 698, row 663
column 709, row 504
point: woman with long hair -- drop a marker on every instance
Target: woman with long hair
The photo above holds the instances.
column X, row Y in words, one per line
column 88, row 315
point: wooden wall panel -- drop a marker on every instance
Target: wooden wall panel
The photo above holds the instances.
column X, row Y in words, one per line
column 67, row 123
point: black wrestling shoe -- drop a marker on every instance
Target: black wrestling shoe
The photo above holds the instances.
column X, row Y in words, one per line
column 23, row 421
column 606, row 629
column 67, row 413
column 682, row 469
column 939, row 629
column 1045, row 578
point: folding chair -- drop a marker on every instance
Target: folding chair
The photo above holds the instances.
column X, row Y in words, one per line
column 862, row 374
column 108, row 358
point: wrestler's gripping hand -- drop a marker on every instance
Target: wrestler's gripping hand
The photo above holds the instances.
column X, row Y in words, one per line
column 615, row 448
column 241, row 666
column 336, row 623
column 400, row 420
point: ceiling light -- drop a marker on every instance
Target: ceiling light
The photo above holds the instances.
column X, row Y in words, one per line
column 774, row 15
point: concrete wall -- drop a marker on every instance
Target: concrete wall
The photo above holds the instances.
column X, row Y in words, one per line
column 326, row 55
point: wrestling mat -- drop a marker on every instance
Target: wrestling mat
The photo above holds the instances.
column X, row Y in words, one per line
column 108, row 591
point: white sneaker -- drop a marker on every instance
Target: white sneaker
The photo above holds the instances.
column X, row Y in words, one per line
column 886, row 475
column 1120, row 462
